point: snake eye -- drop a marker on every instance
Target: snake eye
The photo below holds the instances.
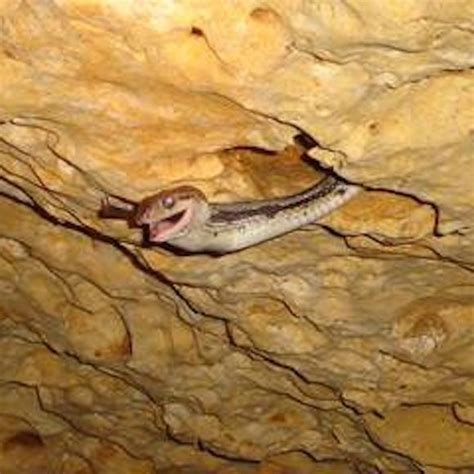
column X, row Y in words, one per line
column 168, row 202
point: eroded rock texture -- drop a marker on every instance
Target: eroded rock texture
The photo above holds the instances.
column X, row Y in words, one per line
column 341, row 348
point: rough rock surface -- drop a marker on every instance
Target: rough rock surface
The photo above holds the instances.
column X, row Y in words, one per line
column 341, row 348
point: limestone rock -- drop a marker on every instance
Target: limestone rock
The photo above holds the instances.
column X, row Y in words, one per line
column 342, row 347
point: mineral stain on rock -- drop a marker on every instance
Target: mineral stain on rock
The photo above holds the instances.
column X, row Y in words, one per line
column 25, row 440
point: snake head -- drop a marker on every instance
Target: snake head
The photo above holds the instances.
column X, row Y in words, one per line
column 172, row 213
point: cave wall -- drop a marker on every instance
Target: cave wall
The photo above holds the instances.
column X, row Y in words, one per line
column 339, row 348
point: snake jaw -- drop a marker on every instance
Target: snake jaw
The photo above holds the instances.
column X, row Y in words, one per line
column 169, row 227
column 172, row 213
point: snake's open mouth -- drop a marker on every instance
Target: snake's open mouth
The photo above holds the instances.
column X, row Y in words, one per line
column 169, row 227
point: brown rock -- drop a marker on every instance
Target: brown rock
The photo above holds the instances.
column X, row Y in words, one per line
column 341, row 347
